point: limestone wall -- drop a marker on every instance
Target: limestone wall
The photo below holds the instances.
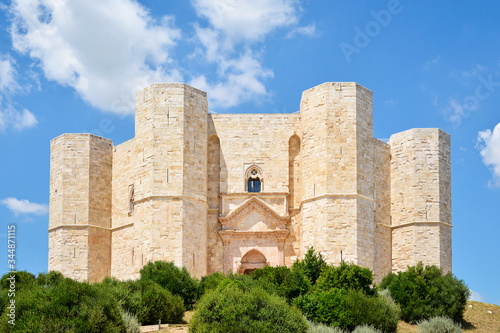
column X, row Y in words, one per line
column 382, row 215
column 80, row 206
column 337, row 172
column 421, row 198
column 167, row 165
column 247, row 139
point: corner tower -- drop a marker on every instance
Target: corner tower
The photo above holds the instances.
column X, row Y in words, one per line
column 337, row 172
column 421, row 198
column 80, row 206
column 167, row 189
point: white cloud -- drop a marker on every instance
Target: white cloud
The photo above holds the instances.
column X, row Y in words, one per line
column 308, row 31
column 7, row 75
column 475, row 296
column 18, row 120
column 230, row 41
column 242, row 20
column 488, row 142
column 457, row 109
column 24, row 206
column 243, row 80
column 106, row 51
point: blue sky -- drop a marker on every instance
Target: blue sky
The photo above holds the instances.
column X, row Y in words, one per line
column 74, row 66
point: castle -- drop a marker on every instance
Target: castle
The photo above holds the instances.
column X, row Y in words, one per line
column 235, row 192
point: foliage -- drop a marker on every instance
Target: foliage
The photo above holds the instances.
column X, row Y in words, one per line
column 53, row 278
column 346, row 276
column 439, row 325
column 366, row 329
column 233, row 307
column 210, row 282
column 311, row 266
column 425, row 292
column 177, row 281
column 22, row 278
column 131, row 323
column 147, row 300
column 287, row 283
column 349, row 308
column 321, row 328
column 69, row 306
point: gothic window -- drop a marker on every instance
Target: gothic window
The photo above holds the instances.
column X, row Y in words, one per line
column 254, row 179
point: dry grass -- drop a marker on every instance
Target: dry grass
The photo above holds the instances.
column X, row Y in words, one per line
column 477, row 320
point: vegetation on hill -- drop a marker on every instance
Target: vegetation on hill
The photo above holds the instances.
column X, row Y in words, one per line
column 339, row 298
column 425, row 292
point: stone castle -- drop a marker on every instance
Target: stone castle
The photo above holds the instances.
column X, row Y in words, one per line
column 235, row 192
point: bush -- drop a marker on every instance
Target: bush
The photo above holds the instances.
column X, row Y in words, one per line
column 320, row 328
column 210, row 282
column 233, row 307
column 439, row 325
column 286, row 283
column 311, row 266
column 177, row 281
column 366, row 329
column 131, row 323
column 68, row 307
column 424, row 292
column 349, row 308
column 22, row 279
column 147, row 300
column 53, row 278
column 346, row 276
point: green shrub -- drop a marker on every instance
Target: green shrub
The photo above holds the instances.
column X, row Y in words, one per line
column 210, row 282
column 311, row 266
column 68, row 307
column 349, row 308
column 52, row 278
column 287, row 283
column 366, row 329
column 177, row 281
column 424, row 292
column 321, row 328
column 346, row 276
column 131, row 323
column 231, row 308
column 147, row 300
column 21, row 278
column 439, row 325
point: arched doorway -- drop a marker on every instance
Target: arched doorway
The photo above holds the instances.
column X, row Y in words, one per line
column 252, row 260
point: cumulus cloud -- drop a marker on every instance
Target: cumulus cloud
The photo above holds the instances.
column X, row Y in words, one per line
column 106, row 51
column 18, row 120
column 230, row 41
column 24, row 206
column 488, row 142
column 242, row 21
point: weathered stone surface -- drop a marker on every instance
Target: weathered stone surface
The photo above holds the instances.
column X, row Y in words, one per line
column 178, row 191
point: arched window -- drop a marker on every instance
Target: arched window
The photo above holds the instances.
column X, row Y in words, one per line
column 254, row 179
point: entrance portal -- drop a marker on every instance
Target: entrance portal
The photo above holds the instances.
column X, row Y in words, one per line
column 251, row 261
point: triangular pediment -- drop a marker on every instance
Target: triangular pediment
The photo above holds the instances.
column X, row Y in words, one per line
column 254, row 214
